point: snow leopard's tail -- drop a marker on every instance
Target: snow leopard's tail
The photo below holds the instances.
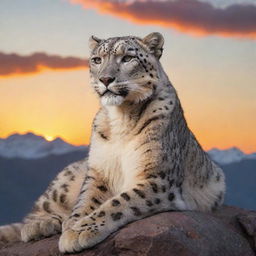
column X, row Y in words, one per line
column 10, row 233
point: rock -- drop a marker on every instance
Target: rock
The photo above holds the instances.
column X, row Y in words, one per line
column 248, row 222
column 229, row 231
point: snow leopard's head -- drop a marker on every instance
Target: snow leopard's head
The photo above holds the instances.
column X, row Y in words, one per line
column 125, row 68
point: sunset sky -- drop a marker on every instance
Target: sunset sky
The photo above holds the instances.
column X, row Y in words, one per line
column 209, row 55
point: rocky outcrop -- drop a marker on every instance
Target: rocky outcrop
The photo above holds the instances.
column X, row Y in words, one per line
column 229, row 231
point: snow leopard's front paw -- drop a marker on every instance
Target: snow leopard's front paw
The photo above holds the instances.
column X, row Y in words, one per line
column 84, row 234
column 37, row 229
column 69, row 241
column 75, row 241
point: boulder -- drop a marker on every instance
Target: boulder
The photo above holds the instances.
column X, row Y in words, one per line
column 230, row 231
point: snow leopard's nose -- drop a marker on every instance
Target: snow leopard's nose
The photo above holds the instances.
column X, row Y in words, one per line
column 107, row 80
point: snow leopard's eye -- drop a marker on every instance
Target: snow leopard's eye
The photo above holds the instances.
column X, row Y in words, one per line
column 127, row 58
column 96, row 60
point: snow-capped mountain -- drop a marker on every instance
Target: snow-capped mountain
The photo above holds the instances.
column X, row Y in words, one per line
column 230, row 155
column 31, row 146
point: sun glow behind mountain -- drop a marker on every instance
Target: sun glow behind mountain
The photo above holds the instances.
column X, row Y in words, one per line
column 49, row 138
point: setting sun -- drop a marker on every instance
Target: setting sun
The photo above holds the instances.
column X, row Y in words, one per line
column 49, row 138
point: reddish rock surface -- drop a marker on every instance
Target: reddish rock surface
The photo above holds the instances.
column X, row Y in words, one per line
column 228, row 232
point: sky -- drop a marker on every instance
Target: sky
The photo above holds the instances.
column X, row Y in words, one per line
column 209, row 55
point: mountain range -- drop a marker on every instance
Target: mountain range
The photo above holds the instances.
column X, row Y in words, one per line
column 29, row 162
column 228, row 156
column 31, row 146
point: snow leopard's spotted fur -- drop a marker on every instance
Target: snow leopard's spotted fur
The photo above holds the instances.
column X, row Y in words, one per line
column 143, row 158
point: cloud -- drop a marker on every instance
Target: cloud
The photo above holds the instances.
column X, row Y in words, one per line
column 189, row 16
column 12, row 64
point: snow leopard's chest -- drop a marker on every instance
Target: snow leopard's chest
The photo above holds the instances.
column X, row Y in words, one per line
column 117, row 161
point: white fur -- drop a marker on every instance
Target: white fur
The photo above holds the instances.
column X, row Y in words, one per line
column 111, row 100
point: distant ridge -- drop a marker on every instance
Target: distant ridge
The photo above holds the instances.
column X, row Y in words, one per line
column 228, row 156
column 31, row 146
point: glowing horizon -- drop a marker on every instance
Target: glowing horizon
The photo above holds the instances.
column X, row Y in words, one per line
column 80, row 142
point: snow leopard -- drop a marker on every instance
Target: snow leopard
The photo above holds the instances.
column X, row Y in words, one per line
column 143, row 158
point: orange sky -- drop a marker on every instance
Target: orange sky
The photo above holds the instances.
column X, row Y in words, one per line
column 61, row 104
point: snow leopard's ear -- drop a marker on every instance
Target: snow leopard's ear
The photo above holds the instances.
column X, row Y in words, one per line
column 154, row 42
column 93, row 42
